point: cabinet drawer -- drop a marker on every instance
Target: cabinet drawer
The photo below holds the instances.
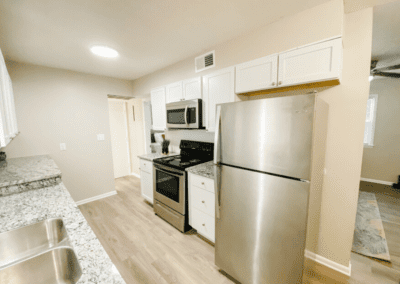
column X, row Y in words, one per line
column 203, row 200
column 202, row 182
column 204, row 224
column 146, row 166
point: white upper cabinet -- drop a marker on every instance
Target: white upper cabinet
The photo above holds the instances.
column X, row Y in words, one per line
column 192, row 88
column 259, row 74
column 313, row 63
column 8, row 120
column 218, row 88
column 158, row 110
column 174, row 92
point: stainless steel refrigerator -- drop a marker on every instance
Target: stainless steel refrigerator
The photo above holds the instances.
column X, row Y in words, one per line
column 263, row 159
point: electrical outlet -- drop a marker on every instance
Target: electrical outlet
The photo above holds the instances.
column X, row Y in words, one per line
column 63, row 147
column 100, row 137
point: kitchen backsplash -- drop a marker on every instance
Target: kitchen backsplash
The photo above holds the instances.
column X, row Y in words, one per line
column 175, row 136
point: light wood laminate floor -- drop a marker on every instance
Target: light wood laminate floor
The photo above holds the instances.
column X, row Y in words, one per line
column 146, row 249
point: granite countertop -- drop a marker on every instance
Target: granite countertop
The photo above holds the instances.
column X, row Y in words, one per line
column 205, row 170
column 33, row 206
column 152, row 156
column 28, row 169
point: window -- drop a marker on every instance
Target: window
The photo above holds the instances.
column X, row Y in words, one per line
column 370, row 121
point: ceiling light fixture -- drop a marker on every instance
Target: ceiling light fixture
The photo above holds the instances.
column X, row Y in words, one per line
column 104, row 51
column 371, row 78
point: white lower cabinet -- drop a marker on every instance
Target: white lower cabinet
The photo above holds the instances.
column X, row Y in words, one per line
column 202, row 206
column 146, row 179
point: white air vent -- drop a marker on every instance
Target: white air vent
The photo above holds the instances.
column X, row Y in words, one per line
column 205, row 61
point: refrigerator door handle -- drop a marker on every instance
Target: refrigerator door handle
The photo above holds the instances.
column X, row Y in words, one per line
column 217, row 145
column 217, row 186
column 217, row 160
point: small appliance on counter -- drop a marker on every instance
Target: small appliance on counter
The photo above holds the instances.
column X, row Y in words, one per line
column 170, row 182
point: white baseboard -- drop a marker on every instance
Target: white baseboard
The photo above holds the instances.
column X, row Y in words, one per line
column 135, row 175
column 346, row 270
column 111, row 193
column 377, row 181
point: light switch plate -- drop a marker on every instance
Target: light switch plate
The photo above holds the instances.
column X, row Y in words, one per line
column 63, row 147
column 100, row 137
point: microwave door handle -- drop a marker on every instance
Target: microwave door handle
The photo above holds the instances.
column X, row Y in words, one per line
column 186, row 109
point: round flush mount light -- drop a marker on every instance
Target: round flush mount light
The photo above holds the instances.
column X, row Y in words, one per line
column 104, row 51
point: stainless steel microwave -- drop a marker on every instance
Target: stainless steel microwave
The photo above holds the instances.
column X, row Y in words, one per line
column 185, row 114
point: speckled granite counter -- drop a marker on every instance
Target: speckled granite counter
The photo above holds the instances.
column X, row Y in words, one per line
column 205, row 170
column 152, row 156
column 22, row 174
column 33, row 206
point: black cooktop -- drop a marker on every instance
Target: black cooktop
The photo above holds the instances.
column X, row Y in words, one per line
column 192, row 153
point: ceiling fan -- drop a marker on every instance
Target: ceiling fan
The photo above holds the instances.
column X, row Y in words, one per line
column 382, row 71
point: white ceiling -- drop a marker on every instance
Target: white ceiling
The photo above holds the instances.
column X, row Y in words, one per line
column 148, row 34
column 386, row 35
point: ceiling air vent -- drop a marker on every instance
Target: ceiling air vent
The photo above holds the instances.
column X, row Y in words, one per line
column 205, row 61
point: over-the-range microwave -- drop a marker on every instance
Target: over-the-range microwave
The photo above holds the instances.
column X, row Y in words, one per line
column 185, row 114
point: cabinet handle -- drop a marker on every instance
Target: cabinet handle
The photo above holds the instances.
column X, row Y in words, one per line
column 204, row 224
column 203, row 201
column 202, row 183
column 280, row 83
column 273, row 83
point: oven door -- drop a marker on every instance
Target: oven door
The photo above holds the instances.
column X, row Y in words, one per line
column 184, row 115
column 169, row 187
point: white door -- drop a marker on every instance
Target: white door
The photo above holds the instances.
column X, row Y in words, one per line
column 119, row 137
column 158, row 108
column 192, row 88
column 174, row 92
column 218, row 88
column 314, row 63
column 259, row 74
column 147, row 125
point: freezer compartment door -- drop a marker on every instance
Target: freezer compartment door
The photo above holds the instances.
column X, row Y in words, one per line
column 260, row 234
column 270, row 135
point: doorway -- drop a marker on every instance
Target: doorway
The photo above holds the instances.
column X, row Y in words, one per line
column 119, row 137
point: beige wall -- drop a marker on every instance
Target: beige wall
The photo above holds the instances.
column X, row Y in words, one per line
column 382, row 162
column 318, row 23
column 55, row 106
column 338, row 141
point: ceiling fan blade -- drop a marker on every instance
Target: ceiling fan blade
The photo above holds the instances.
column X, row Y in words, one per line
column 386, row 74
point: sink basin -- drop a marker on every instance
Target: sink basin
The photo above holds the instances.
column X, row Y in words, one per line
column 55, row 266
column 21, row 243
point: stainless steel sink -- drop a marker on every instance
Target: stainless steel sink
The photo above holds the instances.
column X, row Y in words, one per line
column 56, row 266
column 40, row 252
column 29, row 240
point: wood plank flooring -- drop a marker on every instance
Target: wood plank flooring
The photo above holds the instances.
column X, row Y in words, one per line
column 146, row 249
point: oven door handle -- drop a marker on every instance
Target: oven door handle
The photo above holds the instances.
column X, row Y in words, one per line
column 169, row 172
column 186, row 109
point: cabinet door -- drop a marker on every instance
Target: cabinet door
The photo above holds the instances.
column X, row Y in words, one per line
column 146, row 184
column 259, row 74
column 158, row 111
column 218, row 88
column 174, row 92
column 317, row 62
column 192, row 88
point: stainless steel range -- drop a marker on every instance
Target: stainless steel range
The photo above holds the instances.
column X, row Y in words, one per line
column 170, row 182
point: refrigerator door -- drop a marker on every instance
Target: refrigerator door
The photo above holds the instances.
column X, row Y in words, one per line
column 270, row 135
column 260, row 235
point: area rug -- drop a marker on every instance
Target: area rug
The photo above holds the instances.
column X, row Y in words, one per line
column 369, row 236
